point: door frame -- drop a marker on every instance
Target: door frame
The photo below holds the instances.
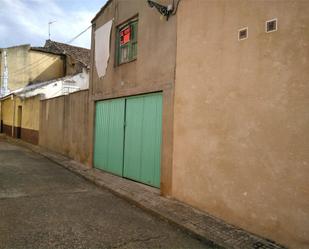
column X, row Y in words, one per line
column 167, row 90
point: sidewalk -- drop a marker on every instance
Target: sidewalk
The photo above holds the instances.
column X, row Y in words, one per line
column 211, row 230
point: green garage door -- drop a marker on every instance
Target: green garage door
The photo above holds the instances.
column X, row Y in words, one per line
column 134, row 151
column 143, row 139
column 109, row 133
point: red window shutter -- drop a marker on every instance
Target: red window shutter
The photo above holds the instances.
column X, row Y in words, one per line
column 125, row 35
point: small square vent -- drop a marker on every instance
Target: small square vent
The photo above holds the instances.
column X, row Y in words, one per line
column 271, row 25
column 243, row 34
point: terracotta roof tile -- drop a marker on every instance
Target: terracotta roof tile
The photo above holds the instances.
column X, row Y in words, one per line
column 77, row 53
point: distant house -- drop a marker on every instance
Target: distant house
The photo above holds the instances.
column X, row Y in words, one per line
column 23, row 65
column 76, row 63
column 36, row 73
column 26, row 65
column 76, row 59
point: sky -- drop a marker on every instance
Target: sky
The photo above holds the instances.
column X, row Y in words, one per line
column 26, row 21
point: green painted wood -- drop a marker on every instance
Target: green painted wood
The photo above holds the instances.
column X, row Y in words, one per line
column 142, row 154
column 109, row 134
column 130, row 47
column 133, row 50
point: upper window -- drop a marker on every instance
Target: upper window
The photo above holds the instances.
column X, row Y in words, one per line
column 126, row 42
column 243, row 34
column 271, row 25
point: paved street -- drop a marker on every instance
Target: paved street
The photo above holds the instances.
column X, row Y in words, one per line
column 42, row 205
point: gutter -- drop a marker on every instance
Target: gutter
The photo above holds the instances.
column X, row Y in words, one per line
column 7, row 96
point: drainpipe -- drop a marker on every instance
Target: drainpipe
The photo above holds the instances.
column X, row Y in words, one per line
column 14, row 106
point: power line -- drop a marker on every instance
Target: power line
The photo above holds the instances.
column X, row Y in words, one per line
column 30, row 66
column 74, row 38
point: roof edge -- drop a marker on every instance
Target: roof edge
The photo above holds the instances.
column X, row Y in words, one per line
column 7, row 96
column 16, row 46
column 101, row 10
column 37, row 49
column 56, row 43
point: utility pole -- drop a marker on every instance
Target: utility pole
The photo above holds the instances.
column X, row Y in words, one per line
column 4, row 88
column 49, row 23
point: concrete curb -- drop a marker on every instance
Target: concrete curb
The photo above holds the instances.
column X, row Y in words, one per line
column 213, row 231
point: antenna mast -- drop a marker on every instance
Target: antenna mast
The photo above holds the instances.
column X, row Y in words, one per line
column 4, row 88
column 49, row 23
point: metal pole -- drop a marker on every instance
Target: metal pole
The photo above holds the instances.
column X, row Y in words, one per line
column 1, row 76
column 4, row 90
column 49, row 23
column 5, row 73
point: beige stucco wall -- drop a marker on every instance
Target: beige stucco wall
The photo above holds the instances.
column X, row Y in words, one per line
column 17, row 62
column 64, row 125
column 45, row 66
column 156, row 43
column 52, row 124
column 152, row 71
column 30, row 112
column 7, row 109
column 73, row 66
column 241, row 130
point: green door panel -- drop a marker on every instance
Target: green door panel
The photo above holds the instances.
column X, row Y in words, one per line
column 142, row 152
column 109, row 134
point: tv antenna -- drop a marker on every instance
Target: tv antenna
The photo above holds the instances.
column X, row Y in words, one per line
column 50, row 23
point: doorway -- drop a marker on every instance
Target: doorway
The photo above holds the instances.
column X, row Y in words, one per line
column 19, row 121
column 128, row 137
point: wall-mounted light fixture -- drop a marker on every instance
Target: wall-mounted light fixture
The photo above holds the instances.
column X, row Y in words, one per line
column 163, row 10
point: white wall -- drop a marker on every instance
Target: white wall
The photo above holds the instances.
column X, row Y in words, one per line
column 51, row 89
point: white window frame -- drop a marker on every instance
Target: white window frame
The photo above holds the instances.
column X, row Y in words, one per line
column 268, row 21
column 238, row 34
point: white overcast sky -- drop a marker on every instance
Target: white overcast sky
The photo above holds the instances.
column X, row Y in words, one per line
column 26, row 21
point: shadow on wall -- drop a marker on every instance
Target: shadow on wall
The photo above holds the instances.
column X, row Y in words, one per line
column 73, row 66
column 53, row 71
